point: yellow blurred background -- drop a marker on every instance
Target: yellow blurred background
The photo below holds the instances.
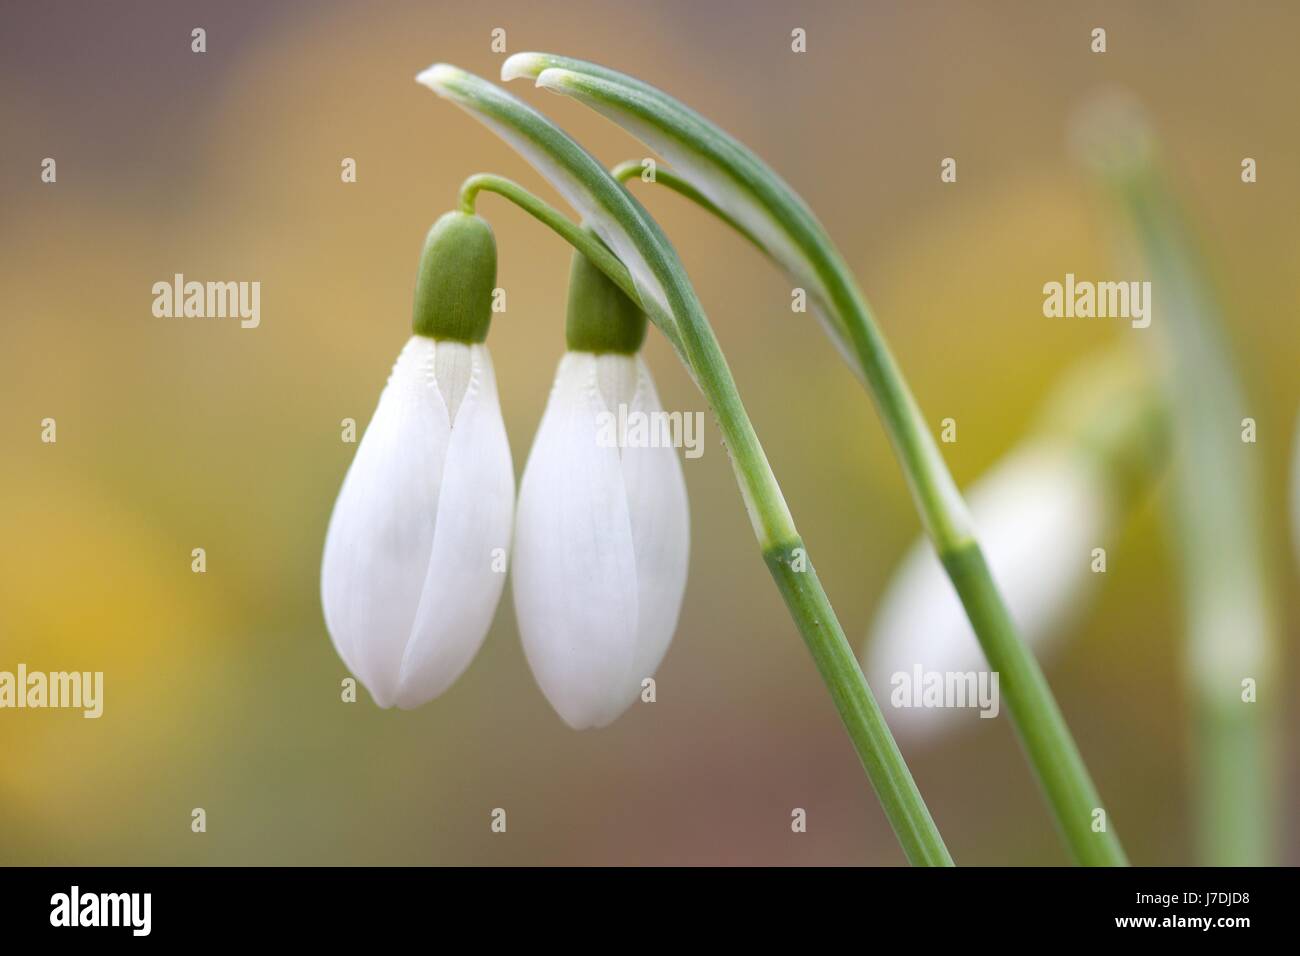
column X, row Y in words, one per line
column 222, row 688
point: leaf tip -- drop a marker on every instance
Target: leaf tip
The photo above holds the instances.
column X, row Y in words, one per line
column 555, row 79
column 522, row 65
column 439, row 77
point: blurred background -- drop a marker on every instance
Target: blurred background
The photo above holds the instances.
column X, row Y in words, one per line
column 222, row 690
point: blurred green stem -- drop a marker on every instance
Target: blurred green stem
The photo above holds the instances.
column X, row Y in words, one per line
column 783, row 549
column 1227, row 588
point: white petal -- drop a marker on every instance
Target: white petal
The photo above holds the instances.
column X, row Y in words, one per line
column 657, row 507
column 1038, row 515
column 574, row 578
column 381, row 532
column 475, row 509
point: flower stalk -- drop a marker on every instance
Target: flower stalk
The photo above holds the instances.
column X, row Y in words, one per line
column 1228, row 596
column 660, row 286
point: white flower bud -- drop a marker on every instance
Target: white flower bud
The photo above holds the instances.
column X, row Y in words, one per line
column 408, row 581
column 601, row 543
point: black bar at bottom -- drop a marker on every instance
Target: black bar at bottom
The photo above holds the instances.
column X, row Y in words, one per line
column 332, row 905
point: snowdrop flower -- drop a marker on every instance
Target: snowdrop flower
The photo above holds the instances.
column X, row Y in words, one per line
column 415, row 553
column 1037, row 516
column 602, row 532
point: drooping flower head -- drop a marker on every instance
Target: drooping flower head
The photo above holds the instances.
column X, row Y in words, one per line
column 602, row 530
column 415, row 556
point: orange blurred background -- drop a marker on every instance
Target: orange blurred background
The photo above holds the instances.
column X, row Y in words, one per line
column 222, row 689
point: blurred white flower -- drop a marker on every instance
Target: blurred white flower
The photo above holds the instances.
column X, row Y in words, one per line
column 412, row 574
column 1037, row 516
column 601, row 543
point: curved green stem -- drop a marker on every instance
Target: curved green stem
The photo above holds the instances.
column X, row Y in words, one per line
column 1039, row 723
column 581, row 239
column 665, row 293
column 737, row 183
column 787, row 559
column 1043, row 732
column 633, row 169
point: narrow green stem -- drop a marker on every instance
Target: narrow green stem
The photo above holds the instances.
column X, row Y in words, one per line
column 1042, row 730
column 804, row 597
column 889, row 775
column 632, row 169
column 783, row 550
column 1228, row 586
column 581, row 239
column 1083, row 822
